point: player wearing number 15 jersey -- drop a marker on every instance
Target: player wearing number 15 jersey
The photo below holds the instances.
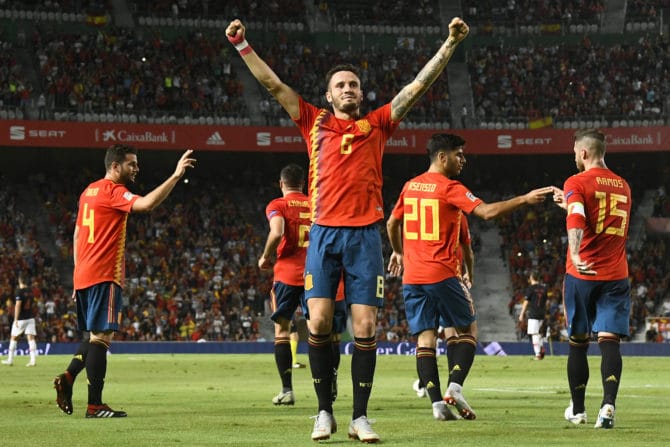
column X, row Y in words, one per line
column 424, row 232
column 98, row 248
column 596, row 289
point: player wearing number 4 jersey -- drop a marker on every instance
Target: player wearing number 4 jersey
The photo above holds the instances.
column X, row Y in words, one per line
column 424, row 233
column 596, row 289
column 345, row 149
column 99, row 268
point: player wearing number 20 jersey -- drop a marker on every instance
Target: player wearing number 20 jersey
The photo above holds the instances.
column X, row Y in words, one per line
column 431, row 207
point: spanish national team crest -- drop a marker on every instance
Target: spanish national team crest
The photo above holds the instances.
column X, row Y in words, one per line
column 364, row 126
column 309, row 283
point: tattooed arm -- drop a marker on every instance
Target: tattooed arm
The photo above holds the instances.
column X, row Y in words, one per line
column 575, row 236
column 411, row 93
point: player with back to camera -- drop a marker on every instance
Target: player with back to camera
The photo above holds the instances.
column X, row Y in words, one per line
column 99, row 268
column 288, row 238
column 596, row 289
column 424, row 229
column 288, row 217
column 345, row 149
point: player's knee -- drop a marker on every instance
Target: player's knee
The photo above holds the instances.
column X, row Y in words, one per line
column 579, row 340
column 319, row 325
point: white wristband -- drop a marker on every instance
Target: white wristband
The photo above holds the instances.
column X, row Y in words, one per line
column 242, row 45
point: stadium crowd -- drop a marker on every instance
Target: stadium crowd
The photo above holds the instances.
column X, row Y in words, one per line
column 190, row 73
column 571, row 81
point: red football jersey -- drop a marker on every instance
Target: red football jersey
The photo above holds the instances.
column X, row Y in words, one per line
column 599, row 202
column 345, row 168
column 103, row 211
column 294, row 209
column 431, row 207
column 463, row 237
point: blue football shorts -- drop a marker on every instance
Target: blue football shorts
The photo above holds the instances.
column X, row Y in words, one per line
column 285, row 300
column 596, row 306
column 352, row 252
column 99, row 307
column 447, row 303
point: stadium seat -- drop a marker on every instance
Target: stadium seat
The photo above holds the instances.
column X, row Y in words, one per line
column 3, row 114
column 498, row 125
column 210, row 121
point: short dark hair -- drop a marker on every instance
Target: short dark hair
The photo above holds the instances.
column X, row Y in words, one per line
column 338, row 68
column 443, row 142
column 292, row 175
column 117, row 153
column 596, row 140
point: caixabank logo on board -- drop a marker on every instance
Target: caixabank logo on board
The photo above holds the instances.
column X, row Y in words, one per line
column 21, row 133
column 128, row 136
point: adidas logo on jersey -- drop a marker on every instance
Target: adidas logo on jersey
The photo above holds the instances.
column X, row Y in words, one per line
column 215, row 140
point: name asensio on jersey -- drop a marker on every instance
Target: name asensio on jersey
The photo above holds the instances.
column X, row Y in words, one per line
column 423, row 187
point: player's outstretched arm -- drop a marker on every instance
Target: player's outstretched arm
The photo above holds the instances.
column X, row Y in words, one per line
column 496, row 209
column 411, row 93
column 285, row 95
column 154, row 198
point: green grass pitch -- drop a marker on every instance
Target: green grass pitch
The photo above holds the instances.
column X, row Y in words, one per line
column 225, row 400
